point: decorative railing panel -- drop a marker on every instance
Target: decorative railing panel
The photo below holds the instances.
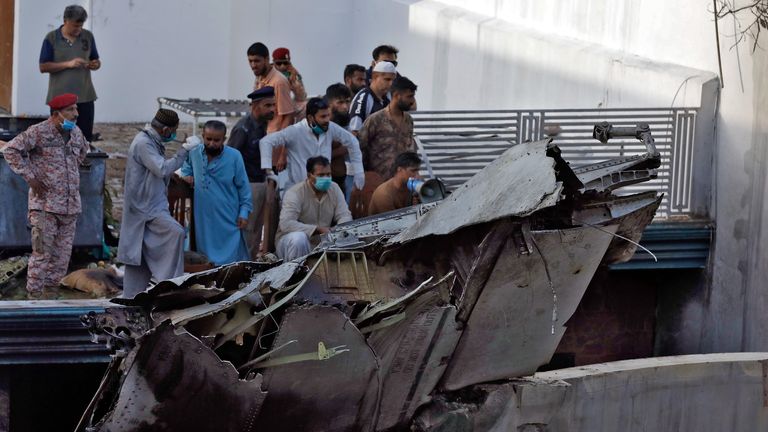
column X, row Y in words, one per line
column 458, row 144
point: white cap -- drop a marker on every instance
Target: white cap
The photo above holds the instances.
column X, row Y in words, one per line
column 384, row 66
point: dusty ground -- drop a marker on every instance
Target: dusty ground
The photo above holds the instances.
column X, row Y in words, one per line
column 115, row 140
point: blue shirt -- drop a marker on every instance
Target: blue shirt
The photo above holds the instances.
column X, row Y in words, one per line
column 222, row 195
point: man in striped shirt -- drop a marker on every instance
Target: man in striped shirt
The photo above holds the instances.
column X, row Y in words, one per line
column 372, row 98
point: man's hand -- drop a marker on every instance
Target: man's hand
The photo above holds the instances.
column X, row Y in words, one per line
column 77, row 63
column 322, row 230
column 242, row 223
column 192, row 143
column 94, row 64
column 359, row 180
column 282, row 161
column 38, row 188
column 190, row 180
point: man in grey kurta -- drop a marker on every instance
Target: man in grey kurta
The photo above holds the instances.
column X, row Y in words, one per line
column 151, row 241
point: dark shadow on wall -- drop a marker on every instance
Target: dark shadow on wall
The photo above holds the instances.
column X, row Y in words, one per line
column 634, row 314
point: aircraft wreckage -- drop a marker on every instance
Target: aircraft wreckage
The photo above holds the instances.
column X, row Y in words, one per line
column 387, row 316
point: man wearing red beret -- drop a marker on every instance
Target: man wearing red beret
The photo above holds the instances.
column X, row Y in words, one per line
column 281, row 59
column 47, row 156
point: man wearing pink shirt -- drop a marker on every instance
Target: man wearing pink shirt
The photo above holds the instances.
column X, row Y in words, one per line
column 268, row 76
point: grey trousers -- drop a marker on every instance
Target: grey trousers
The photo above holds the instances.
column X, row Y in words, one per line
column 162, row 255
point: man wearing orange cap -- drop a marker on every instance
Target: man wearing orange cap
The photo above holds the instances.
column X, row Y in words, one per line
column 47, row 156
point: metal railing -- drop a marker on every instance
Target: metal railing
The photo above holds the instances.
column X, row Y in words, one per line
column 457, row 144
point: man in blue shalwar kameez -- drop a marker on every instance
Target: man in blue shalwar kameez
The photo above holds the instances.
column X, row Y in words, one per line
column 222, row 196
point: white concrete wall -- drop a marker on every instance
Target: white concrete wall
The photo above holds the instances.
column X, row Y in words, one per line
column 148, row 49
column 697, row 393
column 460, row 59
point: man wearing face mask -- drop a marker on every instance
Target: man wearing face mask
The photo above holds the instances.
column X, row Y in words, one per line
column 310, row 209
column 311, row 137
column 246, row 135
column 47, row 156
column 222, row 196
column 151, row 241
column 389, row 132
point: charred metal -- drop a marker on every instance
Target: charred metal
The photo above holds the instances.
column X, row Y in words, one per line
column 392, row 319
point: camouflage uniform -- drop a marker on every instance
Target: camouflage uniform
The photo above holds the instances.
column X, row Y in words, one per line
column 41, row 153
column 381, row 140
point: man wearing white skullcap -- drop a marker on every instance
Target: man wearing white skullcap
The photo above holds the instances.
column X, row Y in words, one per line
column 374, row 97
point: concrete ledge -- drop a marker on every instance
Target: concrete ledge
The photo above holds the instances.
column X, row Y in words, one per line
column 709, row 392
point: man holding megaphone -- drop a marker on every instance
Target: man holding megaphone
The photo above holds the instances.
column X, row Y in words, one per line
column 394, row 193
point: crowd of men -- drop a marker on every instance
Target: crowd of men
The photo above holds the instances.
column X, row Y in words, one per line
column 324, row 148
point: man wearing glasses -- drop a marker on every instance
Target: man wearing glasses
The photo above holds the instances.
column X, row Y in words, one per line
column 281, row 59
column 310, row 209
column 381, row 53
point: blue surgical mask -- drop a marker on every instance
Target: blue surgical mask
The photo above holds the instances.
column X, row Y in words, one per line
column 67, row 125
column 170, row 137
column 317, row 130
column 323, row 183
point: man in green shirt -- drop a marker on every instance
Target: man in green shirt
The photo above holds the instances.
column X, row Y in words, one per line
column 69, row 55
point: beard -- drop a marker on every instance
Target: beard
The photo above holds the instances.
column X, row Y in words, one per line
column 214, row 151
column 403, row 106
column 266, row 117
column 341, row 118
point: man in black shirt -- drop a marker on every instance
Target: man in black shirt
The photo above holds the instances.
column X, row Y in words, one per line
column 245, row 137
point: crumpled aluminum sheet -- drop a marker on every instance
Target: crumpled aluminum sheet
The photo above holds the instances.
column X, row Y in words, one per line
column 174, row 378
column 523, row 182
column 322, row 395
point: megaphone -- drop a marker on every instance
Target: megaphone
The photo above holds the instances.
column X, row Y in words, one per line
column 428, row 190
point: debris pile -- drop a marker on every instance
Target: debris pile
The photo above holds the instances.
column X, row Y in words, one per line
column 390, row 312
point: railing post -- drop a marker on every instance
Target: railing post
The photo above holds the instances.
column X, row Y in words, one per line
column 702, row 168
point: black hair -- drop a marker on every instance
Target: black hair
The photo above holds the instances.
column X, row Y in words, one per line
column 337, row 91
column 384, row 49
column 407, row 160
column 258, row 49
column 75, row 13
column 315, row 161
column 215, row 125
column 315, row 104
column 402, row 84
column 350, row 70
